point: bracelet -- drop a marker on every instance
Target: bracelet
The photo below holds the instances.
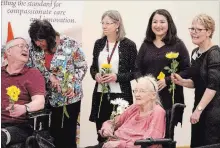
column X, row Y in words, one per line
column 27, row 108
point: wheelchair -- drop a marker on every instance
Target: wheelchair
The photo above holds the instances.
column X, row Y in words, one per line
column 40, row 138
column 168, row 141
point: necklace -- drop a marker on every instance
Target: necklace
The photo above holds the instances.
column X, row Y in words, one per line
column 199, row 53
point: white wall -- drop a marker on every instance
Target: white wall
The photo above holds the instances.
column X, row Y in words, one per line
column 135, row 15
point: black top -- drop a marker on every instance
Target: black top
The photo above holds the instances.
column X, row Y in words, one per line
column 205, row 73
column 152, row 60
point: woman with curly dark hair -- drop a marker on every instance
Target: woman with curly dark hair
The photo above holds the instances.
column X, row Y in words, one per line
column 62, row 62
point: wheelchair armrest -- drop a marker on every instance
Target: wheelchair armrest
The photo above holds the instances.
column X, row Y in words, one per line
column 37, row 117
column 43, row 112
column 151, row 141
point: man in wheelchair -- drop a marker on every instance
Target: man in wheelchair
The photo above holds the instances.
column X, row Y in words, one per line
column 144, row 119
column 23, row 91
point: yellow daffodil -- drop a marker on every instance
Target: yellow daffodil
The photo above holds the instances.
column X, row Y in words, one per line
column 106, row 66
column 161, row 76
column 172, row 55
column 13, row 92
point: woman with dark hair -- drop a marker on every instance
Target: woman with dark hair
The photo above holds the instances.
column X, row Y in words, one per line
column 161, row 38
column 115, row 49
column 63, row 65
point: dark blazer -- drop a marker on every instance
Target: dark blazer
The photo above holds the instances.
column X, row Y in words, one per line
column 127, row 56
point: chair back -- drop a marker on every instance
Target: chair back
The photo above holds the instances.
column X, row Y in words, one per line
column 171, row 118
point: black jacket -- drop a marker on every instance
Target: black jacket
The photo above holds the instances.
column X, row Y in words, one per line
column 127, row 56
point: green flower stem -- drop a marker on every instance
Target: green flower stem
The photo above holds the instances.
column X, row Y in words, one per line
column 13, row 103
column 64, row 113
column 173, row 88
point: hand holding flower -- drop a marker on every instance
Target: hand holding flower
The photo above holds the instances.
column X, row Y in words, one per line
column 161, row 84
column 13, row 92
column 98, row 78
column 17, row 111
column 55, row 83
column 172, row 69
column 111, row 77
column 69, row 93
column 105, row 69
column 177, row 79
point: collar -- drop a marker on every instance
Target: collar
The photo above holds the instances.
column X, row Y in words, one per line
column 24, row 70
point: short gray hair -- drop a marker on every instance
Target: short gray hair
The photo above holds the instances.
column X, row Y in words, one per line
column 11, row 42
column 116, row 17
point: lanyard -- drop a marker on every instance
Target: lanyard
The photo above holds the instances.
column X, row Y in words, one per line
column 113, row 50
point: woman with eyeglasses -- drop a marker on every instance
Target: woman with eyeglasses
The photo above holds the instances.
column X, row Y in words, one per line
column 205, row 78
column 144, row 119
column 161, row 38
column 120, row 52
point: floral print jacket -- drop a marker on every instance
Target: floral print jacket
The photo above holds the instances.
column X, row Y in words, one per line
column 68, row 60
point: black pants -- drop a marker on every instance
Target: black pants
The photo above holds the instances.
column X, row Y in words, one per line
column 18, row 133
column 65, row 137
column 104, row 115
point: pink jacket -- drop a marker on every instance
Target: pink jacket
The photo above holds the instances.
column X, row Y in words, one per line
column 131, row 127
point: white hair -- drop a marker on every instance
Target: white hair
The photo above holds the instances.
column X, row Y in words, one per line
column 11, row 42
column 151, row 84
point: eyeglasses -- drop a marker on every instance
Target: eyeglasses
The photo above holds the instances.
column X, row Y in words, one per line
column 141, row 91
column 22, row 46
column 196, row 30
column 107, row 23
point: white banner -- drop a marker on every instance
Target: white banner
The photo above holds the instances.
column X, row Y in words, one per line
column 65, row 16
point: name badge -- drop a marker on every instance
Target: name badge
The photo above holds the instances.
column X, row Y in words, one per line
column 61, row 57
column 194, row 56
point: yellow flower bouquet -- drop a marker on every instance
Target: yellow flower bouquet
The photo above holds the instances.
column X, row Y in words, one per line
column 105, row 69
column 13, row 92
column 173, row 69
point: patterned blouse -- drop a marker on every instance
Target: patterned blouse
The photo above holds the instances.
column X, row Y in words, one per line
column 68, row 65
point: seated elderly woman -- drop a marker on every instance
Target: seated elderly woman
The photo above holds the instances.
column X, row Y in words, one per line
column 144, row 119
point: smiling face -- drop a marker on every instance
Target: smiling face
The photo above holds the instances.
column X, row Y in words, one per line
column 199, row 33
column 42, row 43
column 159, row 25
column 109, row 26
column 18, row 51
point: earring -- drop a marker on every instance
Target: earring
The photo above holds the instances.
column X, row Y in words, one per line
column 117, row 30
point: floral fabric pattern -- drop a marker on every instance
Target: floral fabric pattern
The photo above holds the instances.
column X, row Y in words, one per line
column 69, row 57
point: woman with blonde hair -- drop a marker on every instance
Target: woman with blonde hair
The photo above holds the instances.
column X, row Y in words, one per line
column 205, row 78
column 120, row 52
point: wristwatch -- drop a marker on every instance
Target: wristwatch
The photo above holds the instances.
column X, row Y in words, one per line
column 27, row 108
column 199, row 108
